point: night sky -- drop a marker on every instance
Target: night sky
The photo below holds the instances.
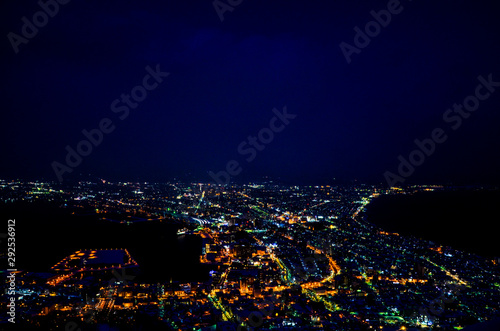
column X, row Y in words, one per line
column 225, row 77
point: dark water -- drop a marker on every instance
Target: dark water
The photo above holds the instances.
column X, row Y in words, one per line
column 46, row 234
column 464, row 219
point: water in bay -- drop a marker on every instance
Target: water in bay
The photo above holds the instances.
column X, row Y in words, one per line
column 45, row 234
column 463, row 219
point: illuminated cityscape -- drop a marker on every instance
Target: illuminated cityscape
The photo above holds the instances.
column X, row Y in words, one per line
column 241, row 165
column 277, row 257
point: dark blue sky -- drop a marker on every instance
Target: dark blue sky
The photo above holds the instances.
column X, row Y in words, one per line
column 353, row 120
